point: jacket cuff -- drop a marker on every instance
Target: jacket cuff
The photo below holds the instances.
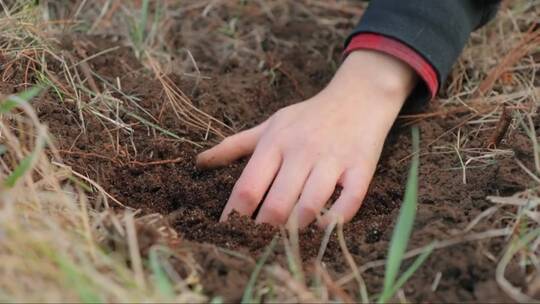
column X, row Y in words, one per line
column 395, row 48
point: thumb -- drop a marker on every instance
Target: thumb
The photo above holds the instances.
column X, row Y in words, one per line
column 230, row 149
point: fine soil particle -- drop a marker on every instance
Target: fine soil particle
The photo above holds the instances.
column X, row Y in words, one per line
column 127, row 165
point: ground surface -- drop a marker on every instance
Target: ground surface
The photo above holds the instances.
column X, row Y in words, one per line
column 153, row 172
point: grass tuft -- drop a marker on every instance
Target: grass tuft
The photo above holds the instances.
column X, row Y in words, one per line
column 27, row 162
column 403, row 229
column 14, row 101
column 248, row 296
column 78, row 281
column 139, row 29
column 162, row 281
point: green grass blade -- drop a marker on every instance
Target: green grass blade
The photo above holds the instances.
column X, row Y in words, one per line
column 78, row 281
column 46, row 82
column 81, row 184
column 292, row 262
column 522, row 241
column 23, row 167
column 140, row 27
column 405, row 222
column 161, row 279
column 144, row 19
column 408, row 273
column 248, row 292
column 13, row 101
column 217, row 300
column 158, row 14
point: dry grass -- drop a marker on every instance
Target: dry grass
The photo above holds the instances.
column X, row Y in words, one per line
column 57, row 245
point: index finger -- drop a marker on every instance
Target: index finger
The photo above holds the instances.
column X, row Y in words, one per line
column 254, row 181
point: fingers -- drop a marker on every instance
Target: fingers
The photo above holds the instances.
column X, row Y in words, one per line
column 231, row 148
column 317, row 191
column 355, row 183
column 285, row 191
column 254, row 181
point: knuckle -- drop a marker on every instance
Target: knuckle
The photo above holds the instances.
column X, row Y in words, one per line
column 309, row 210
column 302, row 148
column 274, row 140
column 277, row 213
column 246, row 195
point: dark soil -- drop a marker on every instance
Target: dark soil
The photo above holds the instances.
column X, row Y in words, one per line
column 240, row 94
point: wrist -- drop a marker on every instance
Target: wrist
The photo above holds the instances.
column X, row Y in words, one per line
column 372, row 74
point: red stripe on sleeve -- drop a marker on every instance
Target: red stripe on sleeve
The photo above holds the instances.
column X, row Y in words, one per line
column 399, row 50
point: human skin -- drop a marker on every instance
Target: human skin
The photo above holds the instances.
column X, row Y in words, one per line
column 302, row 152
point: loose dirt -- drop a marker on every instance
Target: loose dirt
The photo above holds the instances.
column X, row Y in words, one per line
column 240, row 94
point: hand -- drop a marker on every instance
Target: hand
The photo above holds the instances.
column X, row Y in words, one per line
column 304, row 150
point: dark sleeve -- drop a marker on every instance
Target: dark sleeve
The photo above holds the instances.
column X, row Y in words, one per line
column 436, row 29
